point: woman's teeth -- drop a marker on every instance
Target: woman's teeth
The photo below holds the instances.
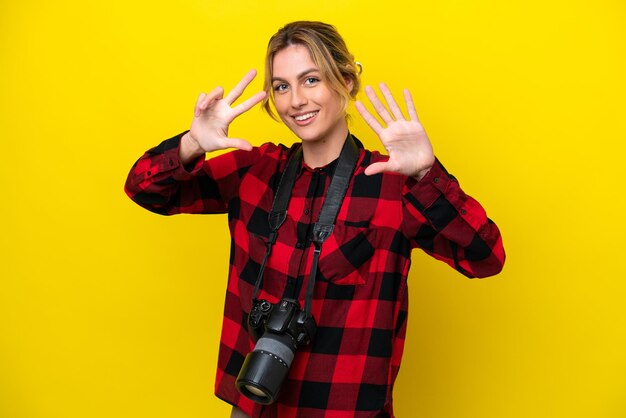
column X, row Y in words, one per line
column 305, row 116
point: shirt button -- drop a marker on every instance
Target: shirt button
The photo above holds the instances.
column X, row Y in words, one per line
column 463, row 211
column 306, row 211
column 436, row 179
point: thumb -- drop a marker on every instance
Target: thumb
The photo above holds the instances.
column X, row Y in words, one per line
column 376, row 168
column 238, row 143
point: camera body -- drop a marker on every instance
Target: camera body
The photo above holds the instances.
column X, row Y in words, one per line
column 279, row 330
column 283, row 317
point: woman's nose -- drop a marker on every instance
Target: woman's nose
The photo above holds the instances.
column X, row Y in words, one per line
column 298, row 98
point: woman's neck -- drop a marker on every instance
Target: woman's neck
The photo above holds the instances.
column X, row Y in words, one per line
column 324, row 151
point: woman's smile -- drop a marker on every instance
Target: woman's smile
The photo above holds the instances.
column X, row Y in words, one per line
column 306, row 118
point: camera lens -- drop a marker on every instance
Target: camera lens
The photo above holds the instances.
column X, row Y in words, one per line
column 255, row 390
column 266, row 367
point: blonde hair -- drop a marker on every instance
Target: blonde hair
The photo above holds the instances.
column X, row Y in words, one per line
column 329, row 53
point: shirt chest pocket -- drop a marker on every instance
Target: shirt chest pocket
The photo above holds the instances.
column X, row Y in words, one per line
column 347, row 254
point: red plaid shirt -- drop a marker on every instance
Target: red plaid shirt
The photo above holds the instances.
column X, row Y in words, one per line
column 361, row 299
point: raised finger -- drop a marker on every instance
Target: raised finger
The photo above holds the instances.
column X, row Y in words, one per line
column 410, row 106
column 380, row 108
column 248, row 104
column 237, row 91
column 371, row 121
column 391, row 102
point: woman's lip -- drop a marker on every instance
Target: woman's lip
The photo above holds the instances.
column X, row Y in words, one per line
column 306, row 121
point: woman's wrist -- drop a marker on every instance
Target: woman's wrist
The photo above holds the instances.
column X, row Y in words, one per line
column 189, row 149
column 422, row 173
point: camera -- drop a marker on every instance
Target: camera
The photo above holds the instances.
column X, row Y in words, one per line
column 279, row 330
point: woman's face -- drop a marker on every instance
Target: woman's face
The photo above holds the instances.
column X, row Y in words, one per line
column 303, row 99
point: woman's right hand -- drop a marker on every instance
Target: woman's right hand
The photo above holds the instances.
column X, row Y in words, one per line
column 212, row 116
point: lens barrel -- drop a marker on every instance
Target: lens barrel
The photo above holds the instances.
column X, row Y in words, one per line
column 266, row 367
column 278, row 331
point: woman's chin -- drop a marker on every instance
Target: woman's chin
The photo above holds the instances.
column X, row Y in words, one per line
column 304, row 133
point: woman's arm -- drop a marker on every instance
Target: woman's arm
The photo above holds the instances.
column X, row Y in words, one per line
column 450, row 225
column 437, row 215
column 174, row 176
column 161, row 183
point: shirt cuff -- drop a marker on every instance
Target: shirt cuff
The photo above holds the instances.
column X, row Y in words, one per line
column 426, row 190
column 166, row 158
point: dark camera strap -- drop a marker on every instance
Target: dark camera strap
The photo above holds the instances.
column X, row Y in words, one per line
column 323, row 228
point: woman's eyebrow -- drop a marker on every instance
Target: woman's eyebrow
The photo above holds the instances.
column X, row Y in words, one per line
column 302, row 74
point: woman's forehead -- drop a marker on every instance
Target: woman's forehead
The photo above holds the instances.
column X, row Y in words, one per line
column 292, row 61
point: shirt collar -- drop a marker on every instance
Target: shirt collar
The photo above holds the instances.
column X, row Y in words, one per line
column 331, row 166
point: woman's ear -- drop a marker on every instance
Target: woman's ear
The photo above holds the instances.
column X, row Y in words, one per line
column 349, row 84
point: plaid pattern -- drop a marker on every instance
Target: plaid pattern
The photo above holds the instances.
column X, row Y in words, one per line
column 361, row 300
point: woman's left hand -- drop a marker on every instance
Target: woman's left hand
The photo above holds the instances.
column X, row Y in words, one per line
column 406, row 142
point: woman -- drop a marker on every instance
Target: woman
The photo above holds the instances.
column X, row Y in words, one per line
column 392, row 205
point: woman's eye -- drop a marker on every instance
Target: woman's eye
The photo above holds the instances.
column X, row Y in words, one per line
column 280, row 87
column 311, row 80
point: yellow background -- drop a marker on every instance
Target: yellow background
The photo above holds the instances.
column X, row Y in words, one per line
column 107, row 310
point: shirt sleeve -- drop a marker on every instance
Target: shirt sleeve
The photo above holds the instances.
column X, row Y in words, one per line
column 159, row 182
column 450, row 225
